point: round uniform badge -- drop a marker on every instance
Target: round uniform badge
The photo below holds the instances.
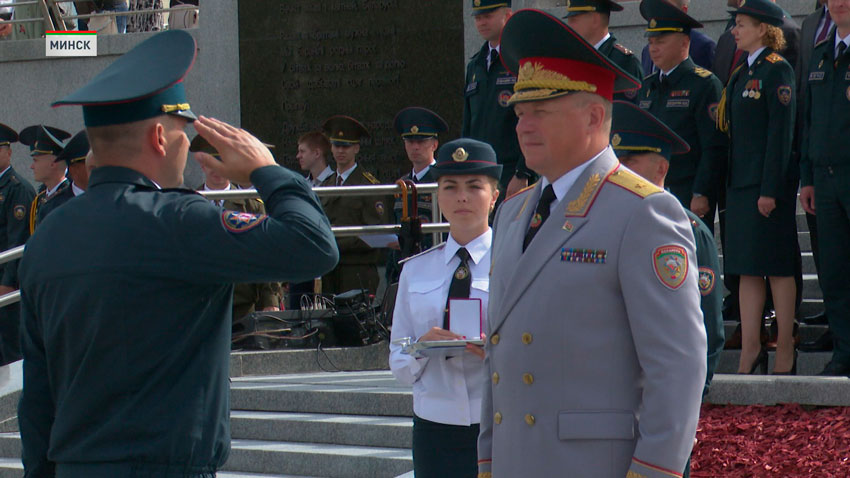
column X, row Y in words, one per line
column 504, row 97
column 461, row 273
column 379, row 208
column 671, row 265
column 20, row 212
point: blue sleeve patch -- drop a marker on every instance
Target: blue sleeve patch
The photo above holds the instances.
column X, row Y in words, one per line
column 236, row 222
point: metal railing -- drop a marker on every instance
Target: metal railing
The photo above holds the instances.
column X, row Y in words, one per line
column 434, row 228
column 53, row 19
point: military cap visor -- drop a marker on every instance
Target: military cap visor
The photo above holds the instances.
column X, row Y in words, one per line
column 76, row 149
column 762, row 10
column 634, row 131
column 419, row 123
column 44, row 139
column 550, row 60
column 200, row 145
column 344, row 130
column 143, row 83
column 464, row 157
column 663, row 17
column 7, row 135
column 578, row 7
column 484, row 6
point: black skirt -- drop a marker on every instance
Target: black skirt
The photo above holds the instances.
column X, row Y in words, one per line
column 444, row 451
column 758, row 245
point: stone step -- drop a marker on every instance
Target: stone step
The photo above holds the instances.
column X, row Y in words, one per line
column 389, row 432
column 286, row 361
column 313, row 459
column 808, row 363
column 772, row 389
column 373, row 393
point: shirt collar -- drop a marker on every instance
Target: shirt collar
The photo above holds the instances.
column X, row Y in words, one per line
column 207, row 188
column 754, row 56
column 52, row 191
column 325, row 173
column 667, row 73
column 603, row 40
column 838, row 39
column 345, row 174
column 3, row 173
column 77, row 190
column 421, row 174
column 563, row 184
column 476, row 248
column 498, row 48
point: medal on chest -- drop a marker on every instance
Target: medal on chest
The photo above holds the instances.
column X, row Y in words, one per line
column 752, row 89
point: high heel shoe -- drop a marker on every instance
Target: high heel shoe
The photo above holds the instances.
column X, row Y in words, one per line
column 760, row 362
column 793, row 370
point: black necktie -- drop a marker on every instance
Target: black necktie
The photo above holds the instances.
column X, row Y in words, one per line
column 461, row 283
column 841, row 47
column 665, row 82
column 494, row 58
column 540, row 215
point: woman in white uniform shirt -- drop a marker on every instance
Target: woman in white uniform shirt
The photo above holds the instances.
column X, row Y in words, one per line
column 447, row 392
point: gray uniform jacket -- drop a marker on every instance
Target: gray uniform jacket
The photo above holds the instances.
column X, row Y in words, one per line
column 596, row 349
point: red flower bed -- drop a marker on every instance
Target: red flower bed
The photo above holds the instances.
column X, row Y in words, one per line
column 785, row 441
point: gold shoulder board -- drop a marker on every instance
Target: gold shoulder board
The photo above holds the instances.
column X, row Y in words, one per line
column 632, row 182
column 702, row 72
column 372, row 179
column 774, row 58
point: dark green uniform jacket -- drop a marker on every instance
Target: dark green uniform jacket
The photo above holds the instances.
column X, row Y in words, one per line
column 711, row 302
column 487, row 116
column 358, row 262
column 826, row 141
column 43, row 205
column 625, row 59
column 16, row 197
column 688, row 105
column 126, row 320
column 248, row 298
column 762, row 125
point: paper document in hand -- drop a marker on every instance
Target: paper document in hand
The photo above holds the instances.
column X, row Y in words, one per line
column 465, row 318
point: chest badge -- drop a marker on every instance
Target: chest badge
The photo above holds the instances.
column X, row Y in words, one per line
column 461, row 273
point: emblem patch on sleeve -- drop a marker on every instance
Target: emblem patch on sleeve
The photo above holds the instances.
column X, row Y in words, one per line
column 706, row 280
column 20, row 212
column 379, row 208
column 784, row 94
column 671, row 265
column 712, row 112
column 234, row 221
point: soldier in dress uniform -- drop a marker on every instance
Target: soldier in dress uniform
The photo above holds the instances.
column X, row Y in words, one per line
column 74, row 156
column 247, row 298
column 684, row 97
column 46, row 142
column 358, row 262
column 16, row 196
column 825, row 172
column 596, row 346
column 125, row 293
column 418, row 128
column 487, row 116
column 590, row 19
column 758, row 111
column 644, row 144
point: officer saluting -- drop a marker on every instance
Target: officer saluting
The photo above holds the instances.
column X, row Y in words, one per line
column 126, row 335
column 418, row 128
column 16, row 196
column 46, row 143
column 596, row 345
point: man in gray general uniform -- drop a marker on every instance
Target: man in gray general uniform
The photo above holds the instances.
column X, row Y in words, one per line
column 596, row 350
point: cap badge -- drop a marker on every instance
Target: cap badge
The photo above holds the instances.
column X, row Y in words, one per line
column 477, row 3
column 460, row 155
column 741, row 5
column 653, row 23
column 340, row 134
column 616, row 140
column 414, row 129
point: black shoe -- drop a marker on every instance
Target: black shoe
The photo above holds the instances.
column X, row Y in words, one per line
column 817, row 319
column 835, row 369
column 760, row 363
column 793, row 370
column 824, row 343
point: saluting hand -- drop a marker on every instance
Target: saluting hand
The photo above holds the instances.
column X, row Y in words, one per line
column 766, row 205
column 241, row 152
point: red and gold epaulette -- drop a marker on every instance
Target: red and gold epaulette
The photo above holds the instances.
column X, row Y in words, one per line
column 623, row 49
column 774, row 58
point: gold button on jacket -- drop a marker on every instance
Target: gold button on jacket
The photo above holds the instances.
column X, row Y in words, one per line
column 497, row 418
column 495, row 378
column 528, row 378
column 526, row 338
column 529, row 419
column 494, row 339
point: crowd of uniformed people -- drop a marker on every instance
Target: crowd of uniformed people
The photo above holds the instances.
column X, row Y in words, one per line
column 581, row 201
